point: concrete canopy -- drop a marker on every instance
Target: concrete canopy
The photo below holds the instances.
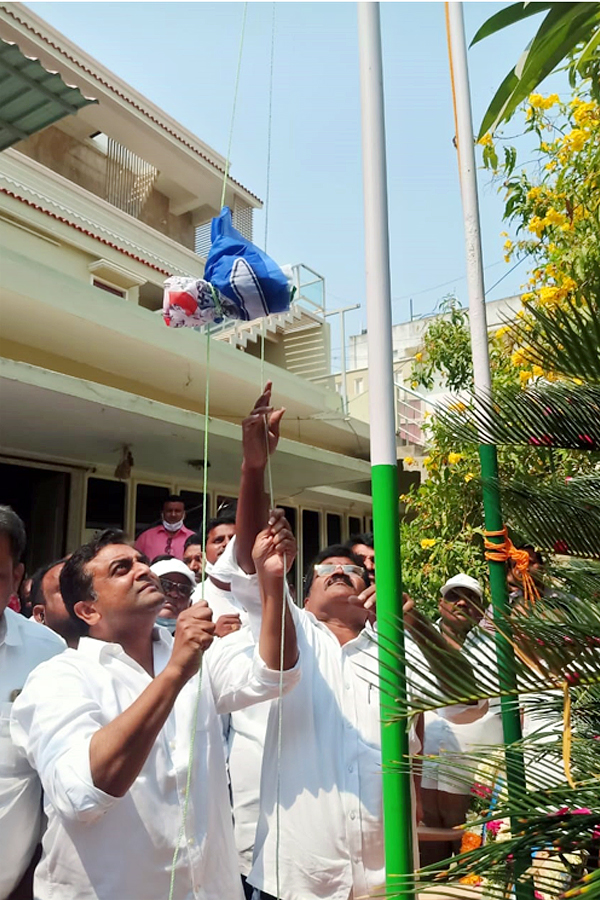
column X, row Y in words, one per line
column 31, row 97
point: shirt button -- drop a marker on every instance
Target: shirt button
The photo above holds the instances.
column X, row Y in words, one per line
column 351, row 769
column 352, row 815
column 347, row 685
column 191, row 842
column 172, row 745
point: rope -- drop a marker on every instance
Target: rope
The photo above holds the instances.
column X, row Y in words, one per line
column 451, row 62
column 235, row 94
column 280, row 691
column 505, row 550
column 188, row 780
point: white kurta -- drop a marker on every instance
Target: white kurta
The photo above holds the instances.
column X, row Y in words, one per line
column 24, row 644
column 108, row 848
column 331, row 817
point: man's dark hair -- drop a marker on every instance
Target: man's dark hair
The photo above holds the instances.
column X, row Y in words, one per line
column 12, row 526
column 75, row 583
column 366, row 539
column 174, row 498
column 339, row 550
column 36, row 595
column 192, row 539
column 227, row 517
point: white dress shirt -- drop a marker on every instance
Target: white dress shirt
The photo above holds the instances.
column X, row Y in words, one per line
column 23, row 645
column 109, row 848
column 331, row 817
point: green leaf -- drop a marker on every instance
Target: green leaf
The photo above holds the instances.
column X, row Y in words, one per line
column 563, row 28
column 515, row 13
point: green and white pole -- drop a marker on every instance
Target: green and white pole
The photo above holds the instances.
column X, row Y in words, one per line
column 397, row 814
column 511, row 723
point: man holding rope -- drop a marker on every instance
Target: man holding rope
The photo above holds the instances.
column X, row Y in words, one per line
column 125, row 733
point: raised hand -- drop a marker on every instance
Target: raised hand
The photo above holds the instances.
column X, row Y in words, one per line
column 193, row 635
column 256, row 438
column 272, row 544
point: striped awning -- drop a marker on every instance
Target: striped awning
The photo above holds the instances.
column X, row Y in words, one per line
column 31, row 97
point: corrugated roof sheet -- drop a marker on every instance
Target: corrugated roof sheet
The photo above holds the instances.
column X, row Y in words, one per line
column 31, row 98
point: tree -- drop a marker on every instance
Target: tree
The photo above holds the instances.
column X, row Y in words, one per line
column 570, row 32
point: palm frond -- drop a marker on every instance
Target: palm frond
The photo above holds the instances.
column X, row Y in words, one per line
column 558, row 517
column 565, row 338
column 546, row 415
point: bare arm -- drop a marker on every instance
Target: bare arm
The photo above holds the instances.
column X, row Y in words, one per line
column 274, row 551
column 260, row 434
column 119, row 750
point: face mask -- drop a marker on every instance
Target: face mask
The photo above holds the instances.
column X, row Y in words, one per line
column 172, row 526
column 169, row 624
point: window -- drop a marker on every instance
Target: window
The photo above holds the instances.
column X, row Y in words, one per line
column 193, row 509
column 311, row 537
column 225, row 504
column 149, row 499
column 105, row 504
column 354, row 525
column 334, row 529
column 359, row 384
column 116, row 292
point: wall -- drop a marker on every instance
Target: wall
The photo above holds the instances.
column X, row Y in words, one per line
column 84, row 164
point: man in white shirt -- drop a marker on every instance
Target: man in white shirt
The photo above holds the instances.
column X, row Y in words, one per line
column 228, row 614
column 23, row 645
column 115, row 729
column 326, row 839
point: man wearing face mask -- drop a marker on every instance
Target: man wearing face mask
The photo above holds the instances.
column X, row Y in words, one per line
column 170, row 536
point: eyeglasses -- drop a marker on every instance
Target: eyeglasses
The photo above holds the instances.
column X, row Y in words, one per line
column 455, row 597
column 184, row 590
column 330, row 568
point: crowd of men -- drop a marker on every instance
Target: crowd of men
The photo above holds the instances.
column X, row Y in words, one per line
column 174, row 726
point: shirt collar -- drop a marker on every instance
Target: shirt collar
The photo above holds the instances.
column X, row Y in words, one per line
column 12, row 632
column 94, row 648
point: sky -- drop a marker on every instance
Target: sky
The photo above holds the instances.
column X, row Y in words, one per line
column 183, row 56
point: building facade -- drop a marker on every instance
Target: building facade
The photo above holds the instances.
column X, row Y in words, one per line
column 103, row 405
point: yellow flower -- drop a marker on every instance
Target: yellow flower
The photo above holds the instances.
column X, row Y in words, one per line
column 538, row 372
column 457, row 407
column 537, row 225
column 524, row 377
column 519, row 357
column 534, row 193
column 553, row 217
column 427, row 543
column 549, row 295
column 536, row 100
column 414, row 384
column 418, row 357
column 454, row 458
column 575, row 140
column 486, row 140
column 469, row 477
column 550, row 166
column 427, row 461
column 504, row 329
column 409, row 460
column 527, row 298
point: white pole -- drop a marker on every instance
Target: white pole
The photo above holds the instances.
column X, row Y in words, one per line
column 396, row 783
column 379, row 314
column 468, row 183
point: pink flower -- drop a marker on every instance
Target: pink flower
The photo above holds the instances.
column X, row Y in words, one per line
column 494, row 827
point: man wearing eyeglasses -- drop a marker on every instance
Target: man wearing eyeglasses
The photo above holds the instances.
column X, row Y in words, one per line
column 178, row 582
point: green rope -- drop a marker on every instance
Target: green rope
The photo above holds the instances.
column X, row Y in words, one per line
column 190, row 766
column 235, row 94
column 269, row 128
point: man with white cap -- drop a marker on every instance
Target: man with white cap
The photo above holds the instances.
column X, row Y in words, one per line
column 455, row 731
column 178, row 582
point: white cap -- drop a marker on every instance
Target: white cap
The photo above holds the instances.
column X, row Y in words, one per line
column 169, row 566
column 462, row 581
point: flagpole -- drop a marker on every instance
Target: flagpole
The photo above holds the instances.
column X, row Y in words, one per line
column 511, row 723
column 397, row 816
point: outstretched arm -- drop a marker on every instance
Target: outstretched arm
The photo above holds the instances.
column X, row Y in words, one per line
column 260, row 435
column 273, row 553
